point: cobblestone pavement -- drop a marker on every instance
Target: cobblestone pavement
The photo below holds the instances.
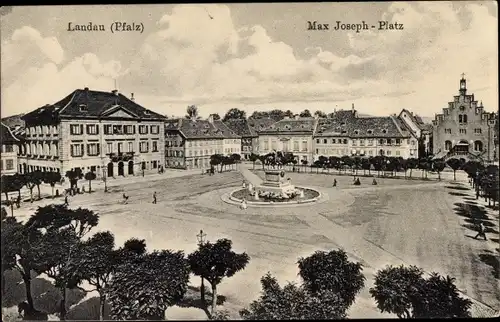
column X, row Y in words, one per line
column 394, row 222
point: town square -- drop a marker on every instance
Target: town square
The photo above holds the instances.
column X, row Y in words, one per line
column 201, row 199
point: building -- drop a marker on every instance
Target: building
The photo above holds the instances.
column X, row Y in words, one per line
column 258, row 124
column 189, row 143
column 249, row 137
column 10, row 150
column 419, row 129
column 348, row 134
column 293, row 135
column 232, row 141
column 464, row 128
column 103, row 132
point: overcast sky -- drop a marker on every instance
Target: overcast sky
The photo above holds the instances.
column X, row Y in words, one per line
column 253, row 56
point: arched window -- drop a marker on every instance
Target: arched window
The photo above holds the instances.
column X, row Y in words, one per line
column 447, row 145
column 478, row 145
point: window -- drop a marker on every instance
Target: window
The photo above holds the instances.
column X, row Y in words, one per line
column 76, row 129
column 324, row 141
column 345, row 141
column 129, row 129
column 370, row 152
column 76, row 150
column 117, row 129
column 130, row 146
column 317, row 151
column 109, row 147
column 447, row 145
column 120, row 147
column 384, row 131
column 9, row 164
column 354, row 142
column 155, row 147
column 362, row 142
column 155, row 129
column 447, row 131
column 333, row 141
column 463, row 131
column 370, row 142
column 9, row 148
column 370, row 131
column 388, row 152
column 462, row 118
column 397, row 153
column 93, row 149
column 356, row 132
column 107, row 129
column 143, row 129
column 398, row 142
column 295, row 145
column 92, row 129
column 304, row 146
column 317, row 141
column 413, row 143
column 381, row 141
column 144, row 147
column 477, row 131
column 478, row 146
column 2, row 163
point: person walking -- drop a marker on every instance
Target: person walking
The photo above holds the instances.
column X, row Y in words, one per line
column 66, row 203
column 481, row 231
column 154, row 197
column 334, row 182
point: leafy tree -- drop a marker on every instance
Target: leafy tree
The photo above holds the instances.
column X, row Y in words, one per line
column 6, row 184
column 253, row 158
column 454, row 164
column 320, row 114
column 439, row 166
column 135, row 246
column 217, row 159
column 192, row 112
column 30, row 182
column 52, row 178
column 404, row 165
column 73, row 176
column 89, row 176
column 356, row 164
column 234, row 114
column 366, row 165
column 347, row 161
column 215, row 116
column 411, row 164
column 332, row 271
column 293, row 302
column 288, row 113
column 37, row 177
column 18, row 182
column 214, row 261
column 143, row 289
column 10, row 226
column 305, row 113
column 403, row 291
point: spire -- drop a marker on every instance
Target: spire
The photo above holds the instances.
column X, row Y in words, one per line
column 481, row 104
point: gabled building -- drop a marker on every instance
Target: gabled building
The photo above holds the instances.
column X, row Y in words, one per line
column 249, row 137
column 293, row 135
column 103, row 132
column 232, row 141
column 189, row 143
column 259, row 124
column 464, row 128
column 419, row 129
column 10, row 150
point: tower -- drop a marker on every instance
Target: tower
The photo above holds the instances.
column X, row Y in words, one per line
column 463, row 85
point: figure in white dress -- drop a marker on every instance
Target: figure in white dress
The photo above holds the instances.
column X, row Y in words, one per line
column 244, row 204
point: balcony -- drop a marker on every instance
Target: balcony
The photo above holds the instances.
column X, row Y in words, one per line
column 121, row 156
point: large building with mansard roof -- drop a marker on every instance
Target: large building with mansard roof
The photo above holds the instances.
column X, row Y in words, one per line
column 103, row 132
column 465, row 129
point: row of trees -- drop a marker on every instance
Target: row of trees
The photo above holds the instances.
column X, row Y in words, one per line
column 484, row 179
column 355, row 163
column 224, row 160
column 142, row 285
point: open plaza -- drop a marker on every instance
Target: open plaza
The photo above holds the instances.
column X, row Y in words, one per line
column 411, row 222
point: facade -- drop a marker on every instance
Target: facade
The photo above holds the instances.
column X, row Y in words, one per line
column 103, row 132
column 347, row 134
column 258, row 124
column 293, row 135
column 232, row 141
column 190, row 143
column 464, row 128
column 10, row 150
column 249, row 137
column 422, row 131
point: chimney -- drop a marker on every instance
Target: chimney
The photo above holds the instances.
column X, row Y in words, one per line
column 352, row 107
column 86, row 89
column 115, row 91
column 211, row 118
column 132, row 97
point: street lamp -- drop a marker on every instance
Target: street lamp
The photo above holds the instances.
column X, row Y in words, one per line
column 200, row 237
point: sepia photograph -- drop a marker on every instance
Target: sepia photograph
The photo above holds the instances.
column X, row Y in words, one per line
column 250, row 161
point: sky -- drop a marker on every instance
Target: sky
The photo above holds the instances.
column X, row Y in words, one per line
column 254, row 56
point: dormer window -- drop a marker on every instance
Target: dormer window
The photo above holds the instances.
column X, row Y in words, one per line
column 344, row 131
column 83, row 108
column 384, row 131
column 342, row 124
column 371, row 131
column 356, row 132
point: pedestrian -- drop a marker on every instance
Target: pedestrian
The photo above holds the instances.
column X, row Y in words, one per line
column 374, row 182
column 243, row 204
column 481, row 231
column 125, row 198
column 334, row 182
column 66, row 200
column 477, row 193
column 154, row 197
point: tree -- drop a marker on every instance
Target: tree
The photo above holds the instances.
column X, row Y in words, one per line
column 30, row 182
column 6, row 183
column 293, row 302
column 143, row 289
column 403, row 291
column 411, row 164
column 332, row 271
column 305, row 113
column 17, row 183
column 216, row 159
column 215, row 116
column 439, row 166
column 73, row 176
column 192, row 112
column 37, row 177
column 215, row 261
column 366, row 165
column 320, row 114
column 454, row 164
column 52, row 178
column 253, row 158
column 10, row 226
column 89, row 176
column 234, row 114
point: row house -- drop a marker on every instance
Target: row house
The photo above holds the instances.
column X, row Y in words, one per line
column 257, row 125
column 464, row 128
column 189, row 143
column 103, row 132
column 232, row 141
column 293, row 135
column 249, row 137
column 347, row 134
column 10, row 150
column 422, row 131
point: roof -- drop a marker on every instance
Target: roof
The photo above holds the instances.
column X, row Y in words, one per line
column 288, row 125
column 6, row 135
column 362, row 127
column 258, row 124
column 226, row 131
column 241, row 127
column 13, row 121
column 194, row 129
column 98, row 105
column 417, row 120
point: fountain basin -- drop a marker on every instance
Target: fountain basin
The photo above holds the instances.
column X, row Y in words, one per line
column 310, row 195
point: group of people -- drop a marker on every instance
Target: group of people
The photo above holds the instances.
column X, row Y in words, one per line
column 125, row 198
column 356, row 182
